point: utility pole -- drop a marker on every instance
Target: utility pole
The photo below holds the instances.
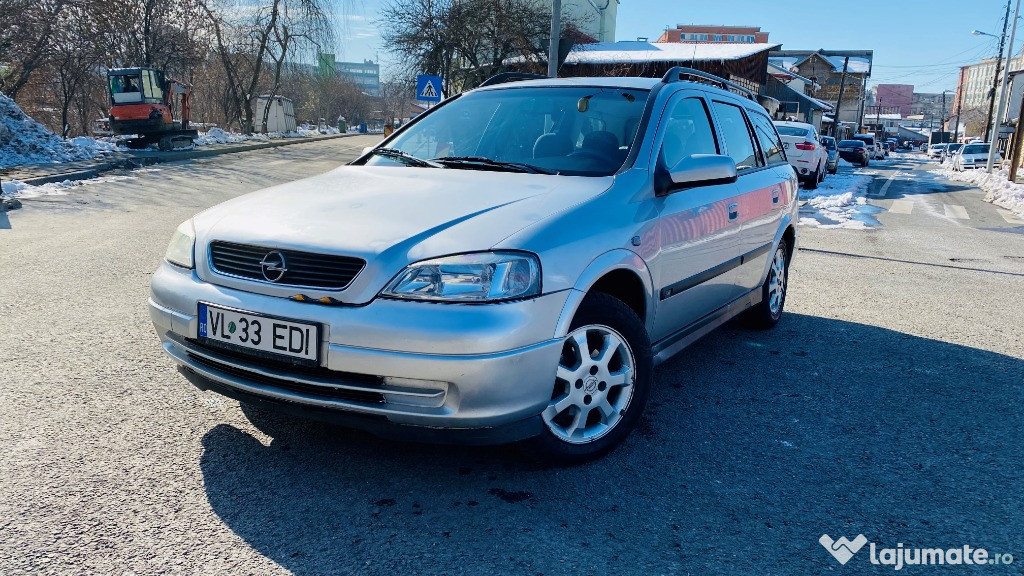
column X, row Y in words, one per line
column 556, row 33
column 1002, row 93
column 995, row 79
column 878, row 118
column 837, row 125
column 942, row 116
column 1018, row 144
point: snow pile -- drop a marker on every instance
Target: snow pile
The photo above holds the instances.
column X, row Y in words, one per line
column 837, row 202
column 25, row 141
column 19, row 189
column 219, row 136
column 998, row 190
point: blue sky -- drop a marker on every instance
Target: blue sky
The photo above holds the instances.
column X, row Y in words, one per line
column 920, row 42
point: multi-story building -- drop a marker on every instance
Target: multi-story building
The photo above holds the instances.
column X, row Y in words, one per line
column 715, row 34
column 976, row 80
column 825, row 69
column 365, row 75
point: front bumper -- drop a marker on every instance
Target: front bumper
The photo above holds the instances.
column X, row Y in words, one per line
column 485, row 370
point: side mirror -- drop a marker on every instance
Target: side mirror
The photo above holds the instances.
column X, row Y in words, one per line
column 701, row 170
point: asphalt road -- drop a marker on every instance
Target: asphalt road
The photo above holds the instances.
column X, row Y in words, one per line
column 886, row 403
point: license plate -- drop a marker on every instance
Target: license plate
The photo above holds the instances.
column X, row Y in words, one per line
column 260, row 333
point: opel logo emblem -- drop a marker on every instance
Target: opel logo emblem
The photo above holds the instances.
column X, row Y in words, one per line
column 273, row 266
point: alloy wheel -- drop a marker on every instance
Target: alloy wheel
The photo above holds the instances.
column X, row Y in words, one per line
column 777, row 282
column 593, row 385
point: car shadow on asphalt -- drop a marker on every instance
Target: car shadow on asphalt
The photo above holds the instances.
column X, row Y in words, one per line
column 754, row 445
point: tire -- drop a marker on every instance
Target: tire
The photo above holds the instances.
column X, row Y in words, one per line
column 812, row 182
column 576, row 427
column 767, row 314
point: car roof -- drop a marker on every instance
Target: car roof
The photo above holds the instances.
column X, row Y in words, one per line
column 790, row 123
column 587, row 81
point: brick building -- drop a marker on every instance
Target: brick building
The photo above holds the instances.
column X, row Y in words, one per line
column 715, row 34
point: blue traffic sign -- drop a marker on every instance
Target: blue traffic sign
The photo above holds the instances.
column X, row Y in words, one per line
column 428, row 88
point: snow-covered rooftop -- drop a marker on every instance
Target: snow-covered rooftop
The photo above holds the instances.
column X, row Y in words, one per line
column 858, row 64
column 632, row 51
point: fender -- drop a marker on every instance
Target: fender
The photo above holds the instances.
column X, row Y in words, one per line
column 787, row 221
column 618, row 259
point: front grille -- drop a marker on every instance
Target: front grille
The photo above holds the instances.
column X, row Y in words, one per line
column 303, row 269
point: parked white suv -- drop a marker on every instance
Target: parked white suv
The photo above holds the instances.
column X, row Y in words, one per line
column 805, row 151
column 509, row 266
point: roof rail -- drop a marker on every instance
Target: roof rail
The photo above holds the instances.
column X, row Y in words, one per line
column 510, row 77
column 678, row 73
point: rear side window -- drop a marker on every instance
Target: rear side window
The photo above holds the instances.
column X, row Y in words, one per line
column 687, row 132
column 771, row 144
column 738, row 140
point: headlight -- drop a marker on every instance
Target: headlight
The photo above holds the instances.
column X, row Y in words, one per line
column 179, row 251
column 479, row 277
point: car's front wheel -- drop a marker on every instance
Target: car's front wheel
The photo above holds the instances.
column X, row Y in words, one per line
column 602, row 382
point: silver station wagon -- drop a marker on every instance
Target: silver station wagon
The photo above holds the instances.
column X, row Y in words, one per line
column 508, row 267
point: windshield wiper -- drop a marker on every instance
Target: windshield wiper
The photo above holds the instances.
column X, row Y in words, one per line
column 481, row 160
column 405, row 158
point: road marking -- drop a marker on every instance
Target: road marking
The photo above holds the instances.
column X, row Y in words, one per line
column 902, row 207
column 954, row 211
column 885, row 187
column 1011, row 218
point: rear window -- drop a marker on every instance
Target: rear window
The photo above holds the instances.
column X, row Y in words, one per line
column 851, row 144
column 791, row 130
column 976, row 149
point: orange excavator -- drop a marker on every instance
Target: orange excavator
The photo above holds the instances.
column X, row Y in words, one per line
column 142, row 103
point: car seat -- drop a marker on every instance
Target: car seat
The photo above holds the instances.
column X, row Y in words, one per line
column 552, row 144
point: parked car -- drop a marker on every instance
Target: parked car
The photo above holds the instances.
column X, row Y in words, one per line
column 973, row 156
column 886, row 149
column 935, row 150
column 855, row 152
column 804, row 151
column 832, row 164
column 444, row 289
column 949, row 150
column 874, row 147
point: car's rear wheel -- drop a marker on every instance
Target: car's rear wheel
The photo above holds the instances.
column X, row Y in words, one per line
column 602, row 382
column 773, row 292
column 812, row 181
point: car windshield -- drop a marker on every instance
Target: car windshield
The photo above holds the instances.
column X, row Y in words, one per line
column 791, row 130
column 976, row 149
column 851, row 144
column 579, row 131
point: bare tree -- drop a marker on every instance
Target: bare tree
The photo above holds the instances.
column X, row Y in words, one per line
column 467, row 41
column 26, row 29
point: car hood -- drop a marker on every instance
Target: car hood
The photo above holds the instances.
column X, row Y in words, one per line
column 388, row 216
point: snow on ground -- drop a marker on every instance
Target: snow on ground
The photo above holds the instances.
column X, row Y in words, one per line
column 998, row 190
column 838, row 202
column 220, row 136
column 25, row 141
column 21, row 190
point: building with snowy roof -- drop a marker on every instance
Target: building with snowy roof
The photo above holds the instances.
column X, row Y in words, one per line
column 825, row 67
column 744, row 64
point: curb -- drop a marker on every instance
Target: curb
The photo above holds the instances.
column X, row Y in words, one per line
column 146, row 158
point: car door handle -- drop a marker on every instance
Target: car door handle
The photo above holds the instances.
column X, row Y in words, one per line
column 775, row 196
column 734, row 211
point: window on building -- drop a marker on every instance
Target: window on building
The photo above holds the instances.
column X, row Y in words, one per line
column 716, row 38
column 730, row 38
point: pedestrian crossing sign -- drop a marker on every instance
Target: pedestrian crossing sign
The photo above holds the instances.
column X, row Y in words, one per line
column 428, row 88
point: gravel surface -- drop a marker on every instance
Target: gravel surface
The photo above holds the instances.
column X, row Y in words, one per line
column 887, row 402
